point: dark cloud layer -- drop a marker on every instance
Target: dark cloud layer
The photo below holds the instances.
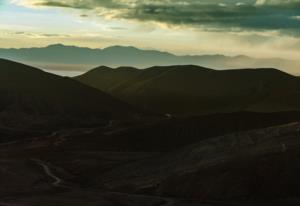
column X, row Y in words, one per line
column 283, row 15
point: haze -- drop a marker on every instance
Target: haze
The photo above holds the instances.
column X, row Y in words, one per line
column 262, row 28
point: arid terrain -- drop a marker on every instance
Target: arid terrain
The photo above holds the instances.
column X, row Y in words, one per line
column 149, row 102
column 81, row 146
column 78, row 167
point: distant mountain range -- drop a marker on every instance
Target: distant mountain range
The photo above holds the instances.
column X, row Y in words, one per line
column 193, row 90
column 59, row 57
column 30, row 98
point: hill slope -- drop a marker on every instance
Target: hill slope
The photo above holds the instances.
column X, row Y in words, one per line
column 239, row 166
column 30, row 96
column 193, row 90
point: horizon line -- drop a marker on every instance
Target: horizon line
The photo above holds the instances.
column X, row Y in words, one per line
column 144, row 49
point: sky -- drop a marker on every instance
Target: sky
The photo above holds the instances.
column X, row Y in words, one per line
column 257, row 28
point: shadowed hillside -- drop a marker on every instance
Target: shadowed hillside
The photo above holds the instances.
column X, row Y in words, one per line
column 193, row 90
column 31, row 97
column 248, row 166
column 172, row 134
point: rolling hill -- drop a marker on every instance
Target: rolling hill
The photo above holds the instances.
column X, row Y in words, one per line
column 193, row 90
column 31, row 97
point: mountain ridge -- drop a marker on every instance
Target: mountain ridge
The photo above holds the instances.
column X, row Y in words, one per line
column 62, row 57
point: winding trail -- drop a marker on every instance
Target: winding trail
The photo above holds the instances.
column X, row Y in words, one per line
column 57, row 181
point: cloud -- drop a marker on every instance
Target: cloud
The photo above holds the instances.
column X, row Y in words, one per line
column 214, row 14
column 38, row 35
column 276, row 2
column 77, row 4
column 296, row 17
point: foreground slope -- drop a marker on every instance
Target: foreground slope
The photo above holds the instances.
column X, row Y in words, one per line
column 31, row 97
column 193, row 90
column 246, row 166
column 244, row 160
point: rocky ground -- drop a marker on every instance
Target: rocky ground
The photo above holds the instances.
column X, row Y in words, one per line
column 71, row 167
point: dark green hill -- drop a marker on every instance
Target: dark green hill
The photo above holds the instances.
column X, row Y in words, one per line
column 193, row 90
column 31, row 97
column 109, row 78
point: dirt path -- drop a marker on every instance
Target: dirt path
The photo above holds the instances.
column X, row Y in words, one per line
column 57, row 181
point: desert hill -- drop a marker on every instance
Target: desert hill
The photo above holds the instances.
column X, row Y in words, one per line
column 30, row 96
column 194, row 90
